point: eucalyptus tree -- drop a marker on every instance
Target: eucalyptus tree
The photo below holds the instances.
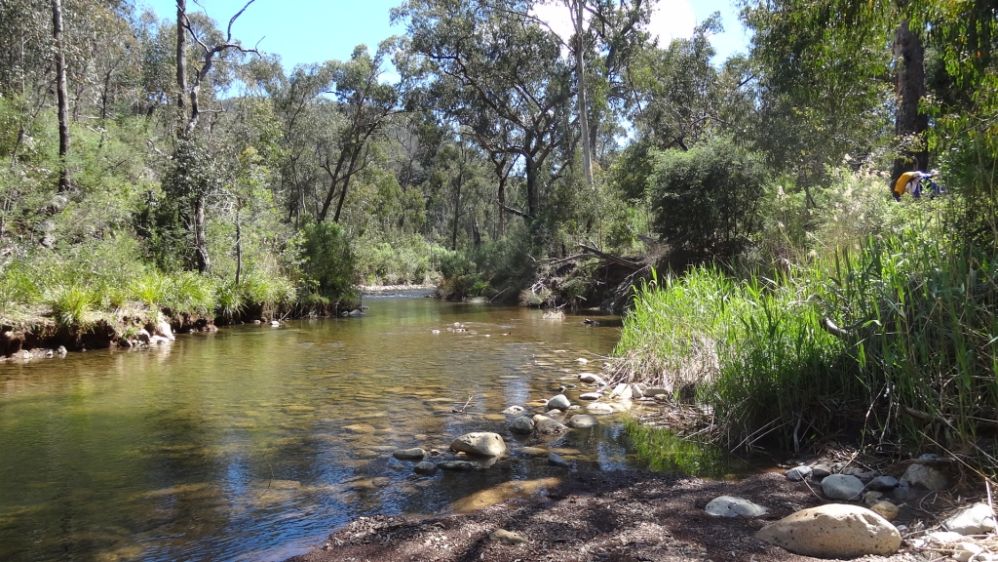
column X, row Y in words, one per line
column 500, row 77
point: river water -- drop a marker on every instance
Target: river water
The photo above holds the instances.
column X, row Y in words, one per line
column 252, row 443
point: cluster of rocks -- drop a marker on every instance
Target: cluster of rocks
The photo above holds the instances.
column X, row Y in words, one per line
column 543, row 419
column 864, row 527
column 26, row 355
column 151, row 335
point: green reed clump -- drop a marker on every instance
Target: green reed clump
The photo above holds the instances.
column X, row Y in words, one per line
column 70, row 306
column 896, row 342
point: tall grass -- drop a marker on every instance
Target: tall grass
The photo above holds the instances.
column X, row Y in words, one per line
column 70, row 307
column 897, row 341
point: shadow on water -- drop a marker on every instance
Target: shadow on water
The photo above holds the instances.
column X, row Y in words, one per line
column 254, row 442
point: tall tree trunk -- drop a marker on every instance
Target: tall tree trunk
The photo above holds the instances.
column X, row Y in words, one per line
column 181, row 65
column 532, row 199
column 909, row 59
column 202, row 261
column 580, row 72
column 61, row 94
column 239, row 246
column 457, row 202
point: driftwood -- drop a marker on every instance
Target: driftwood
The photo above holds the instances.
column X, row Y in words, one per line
column 634, row 266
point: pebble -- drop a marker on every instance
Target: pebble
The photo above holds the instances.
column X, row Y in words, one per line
column 425, row 468
column 414, row 454
column 841, row 487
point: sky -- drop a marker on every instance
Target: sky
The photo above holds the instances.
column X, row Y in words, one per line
column 312, row 31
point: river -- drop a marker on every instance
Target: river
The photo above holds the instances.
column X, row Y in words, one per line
column 252, row 443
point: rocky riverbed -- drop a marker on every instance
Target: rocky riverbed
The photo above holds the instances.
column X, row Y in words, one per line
column 825, row 508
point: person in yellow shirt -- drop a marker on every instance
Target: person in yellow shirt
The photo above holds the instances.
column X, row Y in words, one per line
column 911, row 182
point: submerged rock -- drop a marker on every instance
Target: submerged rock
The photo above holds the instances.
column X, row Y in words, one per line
column 591, row 378
column 457, row 466
column 599, row 409
column 730, row 506
column 589, row 396
column 582, row 421
column 547, row 426
column 554, row 459
column 514, row 411
column 482, row 444
column 425, row 468
column 834, row 531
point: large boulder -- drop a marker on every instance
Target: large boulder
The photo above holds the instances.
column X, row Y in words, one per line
column 842, row 487
column 481, row 444
column 834, row 531
column 730, row 506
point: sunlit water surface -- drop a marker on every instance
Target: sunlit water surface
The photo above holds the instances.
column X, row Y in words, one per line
column 252, row 443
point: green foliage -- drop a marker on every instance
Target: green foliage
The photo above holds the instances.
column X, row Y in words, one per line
column 328, row 260
column 70, row 306
column 663, row 451
column 914, row 319
column 706, row 200
column 403, row 261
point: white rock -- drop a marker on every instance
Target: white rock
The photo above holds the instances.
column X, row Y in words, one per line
column 841, row 487
column 926, row 477
column 622, row 392
column 730, row 506
column 834, row 531
column 559, row 402
column 483, row 444
column 582, row 361
column 163, row 329
column 977, row 519
column 967, row 551
column 514, row 411
column 599, row 409
column 581, row 421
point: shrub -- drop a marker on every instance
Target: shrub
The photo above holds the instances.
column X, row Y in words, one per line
column 70, row 306
column 706, row 200
column 328, row 260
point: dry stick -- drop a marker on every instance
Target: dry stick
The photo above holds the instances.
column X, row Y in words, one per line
column 465, row 407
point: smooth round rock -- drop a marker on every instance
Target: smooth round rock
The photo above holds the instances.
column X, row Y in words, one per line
column 882, row 483
column 414, row 454
column 842, row 487
column 558, row 402
column 482, row 444
column 834, row 531
column 457, row 466
column 798, row 473
column 514, row 411
column 547, row 426
column 589, row 396
column 522, row 425
column 731, row 506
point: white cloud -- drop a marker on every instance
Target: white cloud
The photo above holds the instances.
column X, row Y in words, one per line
column 670, row 19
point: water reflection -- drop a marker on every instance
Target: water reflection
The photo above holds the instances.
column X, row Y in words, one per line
column 235, row 445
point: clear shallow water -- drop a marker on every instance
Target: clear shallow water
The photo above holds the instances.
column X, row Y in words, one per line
column 252, row 443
